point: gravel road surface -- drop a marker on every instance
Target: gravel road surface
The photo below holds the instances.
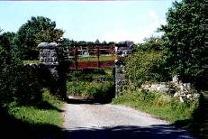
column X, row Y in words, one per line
column 106, row 121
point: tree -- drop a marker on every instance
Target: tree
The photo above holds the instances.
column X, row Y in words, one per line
column 66, row 43
column 37, row 29
column 146, row 63
column 97, row 42
column 186, row 35
column 144, row 66
column 152, row 43
column 104, row 43
column 9, row 67
column 7, row 39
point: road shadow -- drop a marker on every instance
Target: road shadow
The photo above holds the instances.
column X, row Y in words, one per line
column 81, row 100
column 127, row 132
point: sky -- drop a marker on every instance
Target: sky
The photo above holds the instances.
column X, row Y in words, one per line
column 91, row 20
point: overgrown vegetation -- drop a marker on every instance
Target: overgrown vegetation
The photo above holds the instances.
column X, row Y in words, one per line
column 144, row 66
column 97, row 85
column 160, row 105
column 147, row 63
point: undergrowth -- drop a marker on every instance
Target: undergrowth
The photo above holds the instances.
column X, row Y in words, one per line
column 160, row 105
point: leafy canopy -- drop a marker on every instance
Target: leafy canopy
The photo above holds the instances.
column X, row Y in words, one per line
column 186, row 38
column 37, row 29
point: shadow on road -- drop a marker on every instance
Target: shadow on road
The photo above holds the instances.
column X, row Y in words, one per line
column 78, row 101
column 127, row 132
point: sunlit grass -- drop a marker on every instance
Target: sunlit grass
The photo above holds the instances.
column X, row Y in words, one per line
column 159, row 105
column 36, row 115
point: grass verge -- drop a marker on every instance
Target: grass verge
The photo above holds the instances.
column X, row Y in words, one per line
column 160, row 105
column 45, row 112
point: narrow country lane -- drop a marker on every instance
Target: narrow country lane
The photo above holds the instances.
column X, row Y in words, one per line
column 96, row 121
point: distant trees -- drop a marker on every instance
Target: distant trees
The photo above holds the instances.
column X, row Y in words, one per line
column 37, row 29
column 85, row 43
column 152, row 43
column 97, row 41
column 65, row 42
column 186, row 37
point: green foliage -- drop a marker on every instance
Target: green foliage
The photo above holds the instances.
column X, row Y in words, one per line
column 147, row 63
column 152, row 43
column 186, row 38
column 88, row 89
column 94, row 85
column 144, row 66
column 160, row 105
column 31, row 61
column 29, row 88
column 7, row 38
column 37, row 29
column 39, row 115
column 66, row 43
column 9, row 69
column 89, row 75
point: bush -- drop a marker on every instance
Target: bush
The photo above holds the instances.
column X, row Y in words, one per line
column 145, row 66
column 9, row 73
column 95, row 85
column 94, row 90
column 29, row 88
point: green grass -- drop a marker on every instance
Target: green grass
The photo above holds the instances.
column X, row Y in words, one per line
column 160, row 105
column 39, row 115
column 31, row 62
column 86, row 88
column 93, row 85
column 94, row 58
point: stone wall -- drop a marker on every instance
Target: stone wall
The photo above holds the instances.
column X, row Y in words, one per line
column 182, row 91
